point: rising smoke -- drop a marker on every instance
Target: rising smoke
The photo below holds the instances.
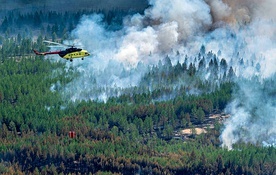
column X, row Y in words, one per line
column 240, row 29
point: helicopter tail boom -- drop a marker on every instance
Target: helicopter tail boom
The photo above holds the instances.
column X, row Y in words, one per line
column 45, row 53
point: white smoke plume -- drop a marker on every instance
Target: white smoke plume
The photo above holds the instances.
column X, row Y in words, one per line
column 253, row 113
column 253, row 110
column 239, row 29
column 121, row 57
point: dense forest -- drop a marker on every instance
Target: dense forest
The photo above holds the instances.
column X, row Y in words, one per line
column 52, row 24
column 133, row 133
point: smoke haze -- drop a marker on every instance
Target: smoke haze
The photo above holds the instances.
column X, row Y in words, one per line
column 240, row 29
column 72, row 5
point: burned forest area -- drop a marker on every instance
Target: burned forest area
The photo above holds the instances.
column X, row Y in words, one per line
column 153, row 97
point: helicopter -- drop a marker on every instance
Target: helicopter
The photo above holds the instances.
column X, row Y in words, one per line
column 70, row 53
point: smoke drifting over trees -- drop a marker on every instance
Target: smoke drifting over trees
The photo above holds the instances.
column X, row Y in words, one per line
column 175, row 65
column 236, row 30
column 241, row 32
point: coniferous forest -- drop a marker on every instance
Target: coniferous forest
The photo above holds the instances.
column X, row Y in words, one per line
column 134, row 133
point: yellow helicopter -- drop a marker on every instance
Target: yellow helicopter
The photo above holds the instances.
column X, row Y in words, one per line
column 69, row 54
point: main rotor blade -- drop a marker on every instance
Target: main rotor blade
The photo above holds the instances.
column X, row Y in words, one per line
column 78, row 44
column 51, row 42
column 57, row 46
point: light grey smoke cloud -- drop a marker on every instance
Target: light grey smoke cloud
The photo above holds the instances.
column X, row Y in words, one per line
column 253, row 113
column 121, row 57
column 253, row 108
column 239, row 29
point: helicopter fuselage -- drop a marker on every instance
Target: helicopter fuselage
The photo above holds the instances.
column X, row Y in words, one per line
column 69, row 54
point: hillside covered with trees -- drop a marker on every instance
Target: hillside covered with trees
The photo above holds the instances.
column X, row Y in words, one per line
column 131, row 133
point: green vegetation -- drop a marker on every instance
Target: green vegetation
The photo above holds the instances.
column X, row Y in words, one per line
column 126, row 135
column 52, row 24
